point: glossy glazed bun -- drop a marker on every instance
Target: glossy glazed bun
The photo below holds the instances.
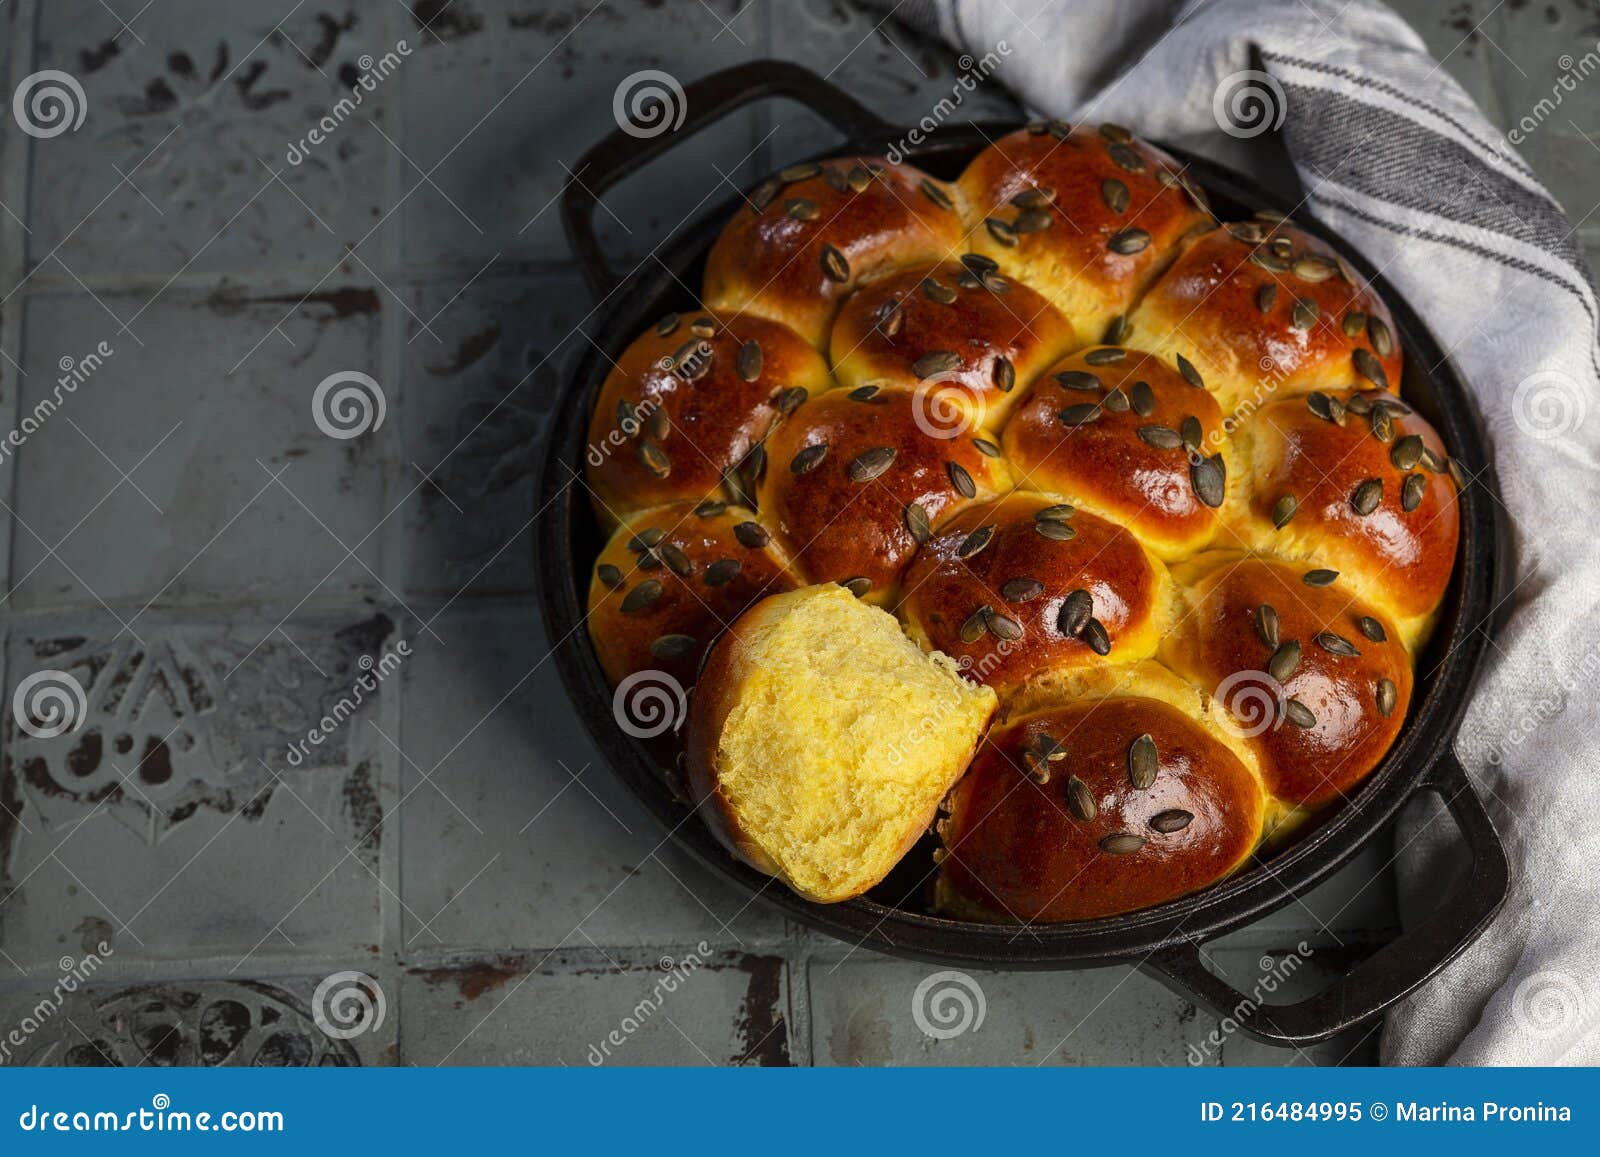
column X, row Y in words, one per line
column 1355, row 482
column 815, row 232
column 961, row 330
column 1123, row 435
column 857, row 479
column 686, row 402
column 1016, row 587
column 1313, row 679
column 821, row 740
column 1261, row 309
column 1087, row 217
column 1090, row 807
column 671, row 579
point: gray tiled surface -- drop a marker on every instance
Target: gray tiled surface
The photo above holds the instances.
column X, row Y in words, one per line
column 214, row 569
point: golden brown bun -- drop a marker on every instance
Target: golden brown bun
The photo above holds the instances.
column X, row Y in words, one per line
column 1145, row 481
column 820, row 741
column 1308, row 322
column 1316, row 723
column 1025, row 577
column 800, row 245
column 671, row 417
column 963, row 330
column 707, row 577
column 1088, row 841
column 1075, row 260
column 844, row 519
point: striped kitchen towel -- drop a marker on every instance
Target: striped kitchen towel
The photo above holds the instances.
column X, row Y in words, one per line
column 1389, row 151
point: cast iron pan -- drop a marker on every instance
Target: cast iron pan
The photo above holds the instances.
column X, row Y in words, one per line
column 1167, row 939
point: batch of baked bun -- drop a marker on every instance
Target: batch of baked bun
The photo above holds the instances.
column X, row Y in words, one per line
column 1040, row 508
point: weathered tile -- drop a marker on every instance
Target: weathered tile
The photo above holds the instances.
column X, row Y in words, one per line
column 692, row 1006
column 1454, row 33
column 871, row 1010
column 154, row 474
column 172, row 797
column 504, row 96
column 894, row 72
column 1284, row 975
column 481, row 373
column 515, row 833
column 334, row 1020
column 186, row 120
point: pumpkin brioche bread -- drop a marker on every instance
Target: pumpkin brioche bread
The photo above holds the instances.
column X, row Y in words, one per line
column 822, row 740
column 1135, row 483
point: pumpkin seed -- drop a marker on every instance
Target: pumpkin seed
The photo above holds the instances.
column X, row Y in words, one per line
column 710, row 508
column 1190, row 374
column 610, row 575
column 801, row 208
column 1299, row 714
column 1115, row 132
column 1022, row 590
column 975, row 541
column 1000, row 231
column 1359, row 405
column 1057, row 513
column 1313, row 268
column 975, row 625
column 1192, row 434
column 1034, row 198
column 1320, row 577
column 917, row 522
column 834, row 265
column 1406, row 452
column 722, row 572
column 1005, row 374
column 1080, row 800
column 1076, row 610
column 1382, row 339
column 1032, row 221
column 937, row 362
column 1372, row 629
column 763, row 195
column 1382, row 424
column 749, row 365
column 980, row 265
column 1115, row 194
column 935, row 194
column 987, row 448
column 1079, row 380
column 1269, row 261
column 1266, row 621
column 655, row 459
column 1128, row 242
column 1094, row 634
column 752, row 535
column 1412, row 491
column 1143, row 763
column 1431, row 462
column 754, row 465
column 669, row 647
column 1003, row 627
column 1284, row 660
column 1304, row 315
column 1121, row 844
column 1386, row 696
column 1370, row 368
column 1354, row 323
column 1115, row 402
column 1126, row 158
column 658, row 425
column 645, row 539
column 803, row 171
column 1250, row 232
column 1105, row 356
column 858, row 178
column 789, row 400
column 1161, row 437
column 1320, row 404
column 870, row 464
column 1366, row 497
column 936, row 291
column 649, row 560
column 1080, row 415
column 641, row 597
column 1171, row 820
column 1267, row 297
column 1143, row 399
column 1283, row 511
column 863, row 393
column 961, row 480
column 1337, row 644
column 858, row 586
column 676, row 560
column 1458, row 473
column 667, row 325
column 1210, row 483
column 1055, row 531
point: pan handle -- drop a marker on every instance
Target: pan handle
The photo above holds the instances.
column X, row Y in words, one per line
column 705, row 102
column 1396, row 969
